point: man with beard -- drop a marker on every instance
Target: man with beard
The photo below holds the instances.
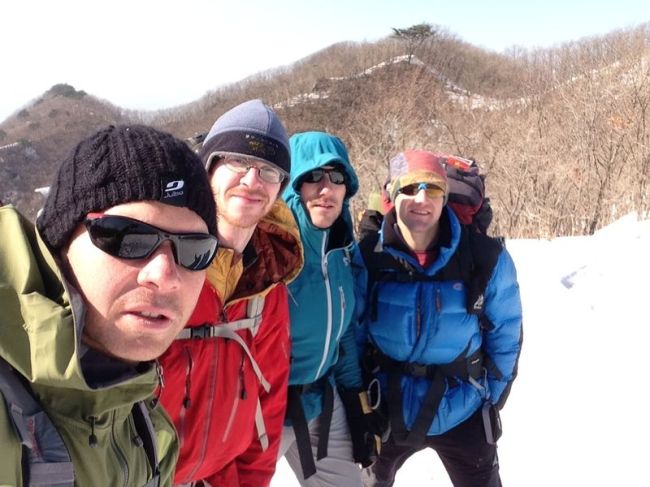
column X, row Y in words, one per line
column 226, row 374
column 325, row 401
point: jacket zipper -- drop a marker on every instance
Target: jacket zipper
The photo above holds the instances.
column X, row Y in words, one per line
column 119, row 454
column 235, row 405
column 328, row 297
column 187, row 401
column 418, row 318
column 342, row 318
column 207, row 418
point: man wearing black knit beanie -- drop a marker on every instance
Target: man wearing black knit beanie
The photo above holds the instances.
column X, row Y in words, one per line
column 90, row 298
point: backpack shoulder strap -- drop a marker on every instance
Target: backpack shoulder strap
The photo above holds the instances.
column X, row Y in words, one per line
column 383, row 266
column 377, row 262
column 252, row 322
column 48, row 461
column 147, row 435
column 484, row 252
column 368, row 246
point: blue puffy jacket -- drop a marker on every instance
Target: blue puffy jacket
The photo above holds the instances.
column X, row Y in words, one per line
column 426, row 322
column 321, row 298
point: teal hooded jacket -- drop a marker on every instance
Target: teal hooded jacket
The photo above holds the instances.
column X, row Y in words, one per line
column 321, row 298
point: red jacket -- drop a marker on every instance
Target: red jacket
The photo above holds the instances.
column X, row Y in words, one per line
column 210, row 388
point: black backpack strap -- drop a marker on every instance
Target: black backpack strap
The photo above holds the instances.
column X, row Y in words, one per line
column 381, row 266
column 48, row 460
column 464, row 368
column 296, row 414
column 370, row 252
column 483, row 251
column 325, row 420
column 147, row 435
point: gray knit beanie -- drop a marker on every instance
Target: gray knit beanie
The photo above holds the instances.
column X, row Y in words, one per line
column 251, row 129
column 119, row 165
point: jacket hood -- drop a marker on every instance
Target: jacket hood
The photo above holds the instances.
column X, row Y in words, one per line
column 40, row 329
column 273, row 255
column 309, row 151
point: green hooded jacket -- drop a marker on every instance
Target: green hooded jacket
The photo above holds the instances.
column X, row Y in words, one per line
column 83, row 392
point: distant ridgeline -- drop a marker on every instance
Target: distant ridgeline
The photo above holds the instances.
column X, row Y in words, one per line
column 551, row 171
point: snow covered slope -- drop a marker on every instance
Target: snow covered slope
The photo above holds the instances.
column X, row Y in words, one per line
column 578, row 413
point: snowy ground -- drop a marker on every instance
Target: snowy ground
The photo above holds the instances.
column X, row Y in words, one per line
column 578, row 412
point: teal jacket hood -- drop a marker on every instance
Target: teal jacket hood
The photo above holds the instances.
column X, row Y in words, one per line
column 309, row 151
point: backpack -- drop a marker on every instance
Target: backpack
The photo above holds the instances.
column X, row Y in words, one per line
column 467, row 192
column 46, row 460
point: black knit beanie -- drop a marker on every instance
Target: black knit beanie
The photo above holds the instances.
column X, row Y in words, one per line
column 122, row 164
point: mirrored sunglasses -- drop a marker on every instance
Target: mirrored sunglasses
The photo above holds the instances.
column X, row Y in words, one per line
column 127, row 238
column 336, row 175
column 266, row 172
column 430, row 190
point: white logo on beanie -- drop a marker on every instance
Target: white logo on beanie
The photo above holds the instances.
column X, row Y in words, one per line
column 175, row 185
column 174, row 192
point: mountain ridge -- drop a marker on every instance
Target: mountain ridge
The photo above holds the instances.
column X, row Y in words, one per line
column 519, row 116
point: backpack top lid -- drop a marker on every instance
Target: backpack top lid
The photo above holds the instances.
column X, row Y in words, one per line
column 458, row 162
column 466, row 190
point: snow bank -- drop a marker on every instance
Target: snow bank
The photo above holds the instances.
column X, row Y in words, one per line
column 577, row 414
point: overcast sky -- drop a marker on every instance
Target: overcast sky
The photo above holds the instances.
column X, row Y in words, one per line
column 147, row 54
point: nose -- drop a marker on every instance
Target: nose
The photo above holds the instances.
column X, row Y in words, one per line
column 160, row 270
column 421, row 196
column 326, row 184
column 252, row 177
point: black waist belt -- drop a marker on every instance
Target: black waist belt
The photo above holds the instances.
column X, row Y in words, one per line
column 296, row 414
column 440, row 375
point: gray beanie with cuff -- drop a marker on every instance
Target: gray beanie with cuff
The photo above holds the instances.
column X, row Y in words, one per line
column 250, row 129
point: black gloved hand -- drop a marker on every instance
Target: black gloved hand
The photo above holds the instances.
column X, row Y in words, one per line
column 364, row 424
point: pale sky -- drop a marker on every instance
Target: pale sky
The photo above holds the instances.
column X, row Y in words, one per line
column 146, row 54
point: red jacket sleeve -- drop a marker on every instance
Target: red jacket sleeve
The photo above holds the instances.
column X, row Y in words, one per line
column 272, row 351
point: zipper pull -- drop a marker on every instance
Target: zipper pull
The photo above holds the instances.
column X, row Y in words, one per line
column 187, row 402
column 243, row 394
column 92, row 439
column 161, row 383
column 159, row 373
column 438, row 300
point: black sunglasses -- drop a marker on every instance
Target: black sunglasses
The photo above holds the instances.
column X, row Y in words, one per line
column 127, row 238
column 336, row 175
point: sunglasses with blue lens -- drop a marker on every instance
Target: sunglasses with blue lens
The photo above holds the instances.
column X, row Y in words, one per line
column 127, row 238
column 430, row 190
